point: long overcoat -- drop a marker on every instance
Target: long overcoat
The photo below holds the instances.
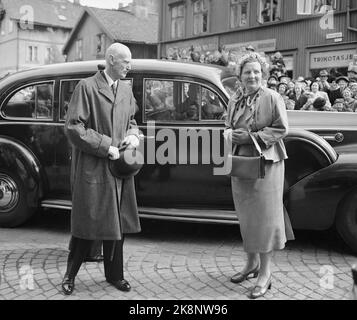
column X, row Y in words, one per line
column 103, row 207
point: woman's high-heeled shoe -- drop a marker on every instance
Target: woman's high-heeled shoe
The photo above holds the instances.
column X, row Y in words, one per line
column 259, row 291
column 240, row 276
column 67, row 285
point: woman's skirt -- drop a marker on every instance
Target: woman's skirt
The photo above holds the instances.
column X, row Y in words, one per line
column 264, row 223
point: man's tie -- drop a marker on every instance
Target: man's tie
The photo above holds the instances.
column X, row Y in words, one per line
column 114, row 89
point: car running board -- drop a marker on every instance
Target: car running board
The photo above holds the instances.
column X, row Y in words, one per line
column 184, row 215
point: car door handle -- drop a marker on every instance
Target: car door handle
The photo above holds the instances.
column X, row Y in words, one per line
column 142, row 137
column 338, row 137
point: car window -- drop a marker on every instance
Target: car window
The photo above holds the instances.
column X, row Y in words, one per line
column 212, row 107
column 231, row 85
column 167, row 100
column 34, row 101
column 67, row 88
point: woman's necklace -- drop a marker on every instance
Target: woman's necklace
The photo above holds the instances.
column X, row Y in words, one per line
column 250, row 100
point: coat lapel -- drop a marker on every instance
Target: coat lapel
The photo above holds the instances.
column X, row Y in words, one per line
column 120, row 92
column 103, row 87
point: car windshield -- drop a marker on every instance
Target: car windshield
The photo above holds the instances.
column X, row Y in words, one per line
column 231, row 85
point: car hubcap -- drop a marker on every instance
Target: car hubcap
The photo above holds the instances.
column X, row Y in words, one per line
column 9, row 195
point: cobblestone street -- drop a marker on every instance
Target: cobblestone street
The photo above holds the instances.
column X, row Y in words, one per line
column 170, row 261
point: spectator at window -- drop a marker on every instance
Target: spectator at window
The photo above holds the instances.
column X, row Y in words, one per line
column 266, row 12
column 321, row 7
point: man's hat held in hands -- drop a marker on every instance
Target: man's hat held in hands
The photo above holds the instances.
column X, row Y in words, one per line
column 129, row 163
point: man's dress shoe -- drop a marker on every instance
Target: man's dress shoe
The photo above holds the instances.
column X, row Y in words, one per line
column 259, row 291
column 121, row 285
column 67, row 285
column 240, row 276
column 97, row 258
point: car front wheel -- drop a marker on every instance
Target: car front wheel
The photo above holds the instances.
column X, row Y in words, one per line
column 13, row 206
column 346, row 221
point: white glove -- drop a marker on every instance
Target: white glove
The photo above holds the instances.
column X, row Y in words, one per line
column 113, row 153
column 131, row 140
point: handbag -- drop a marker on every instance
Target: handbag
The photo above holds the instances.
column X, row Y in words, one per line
column 247, row 167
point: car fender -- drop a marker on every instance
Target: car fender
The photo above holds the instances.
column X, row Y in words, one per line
column 16, row 158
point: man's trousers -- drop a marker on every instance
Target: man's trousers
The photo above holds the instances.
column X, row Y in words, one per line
column 113, row 257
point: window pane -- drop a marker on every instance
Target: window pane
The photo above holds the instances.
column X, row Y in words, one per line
column 67, row 88
column 212, row 108
column 172, row 101
column 44, row 101
column 177, row 21
column 158, row 102
column 21, row 104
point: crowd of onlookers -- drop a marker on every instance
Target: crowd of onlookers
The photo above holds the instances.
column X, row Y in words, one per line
column 329, row 91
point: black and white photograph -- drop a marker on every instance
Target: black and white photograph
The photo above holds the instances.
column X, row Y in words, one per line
column 178, row 155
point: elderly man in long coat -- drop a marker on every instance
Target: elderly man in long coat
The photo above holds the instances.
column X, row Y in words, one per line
column 100, row 119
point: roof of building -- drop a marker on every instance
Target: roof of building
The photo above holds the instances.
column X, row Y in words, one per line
column 121, row 26
column 57, row 13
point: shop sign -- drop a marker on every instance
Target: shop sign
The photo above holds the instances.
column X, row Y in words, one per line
column 331, row 59
column 200, row 45
column 267, row 45
column 334, row 35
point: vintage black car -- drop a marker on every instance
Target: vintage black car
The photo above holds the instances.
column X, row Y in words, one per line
column 321, row 172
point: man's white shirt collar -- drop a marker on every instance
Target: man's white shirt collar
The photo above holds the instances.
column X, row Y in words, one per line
column 110, row 80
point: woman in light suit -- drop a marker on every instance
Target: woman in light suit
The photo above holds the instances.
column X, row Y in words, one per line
column 259, row 203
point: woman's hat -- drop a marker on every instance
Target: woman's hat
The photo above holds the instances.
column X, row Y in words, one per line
column 342, row 78
column 128, row 165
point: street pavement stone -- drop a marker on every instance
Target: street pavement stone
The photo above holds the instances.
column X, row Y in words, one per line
column 175, row 265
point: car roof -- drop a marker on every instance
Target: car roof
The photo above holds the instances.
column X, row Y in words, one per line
column 204, row 71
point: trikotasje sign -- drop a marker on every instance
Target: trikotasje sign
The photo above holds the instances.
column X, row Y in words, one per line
column 331, row 59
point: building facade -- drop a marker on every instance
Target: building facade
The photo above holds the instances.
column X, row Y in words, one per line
column 311, row 34
column 97, row 29
column 34, row 33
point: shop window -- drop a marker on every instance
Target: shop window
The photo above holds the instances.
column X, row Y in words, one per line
column 177, row 21
column 34, row 101
column 200, row 16
column 269, row 10
column 239, row 13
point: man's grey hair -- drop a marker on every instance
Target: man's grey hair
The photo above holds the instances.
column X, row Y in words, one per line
column 117, row 50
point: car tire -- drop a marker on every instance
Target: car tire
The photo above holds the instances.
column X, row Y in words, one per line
column 346, row 220
column 14, row 209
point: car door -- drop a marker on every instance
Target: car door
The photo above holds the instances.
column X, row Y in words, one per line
column 182, row 120
column 28, row 112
